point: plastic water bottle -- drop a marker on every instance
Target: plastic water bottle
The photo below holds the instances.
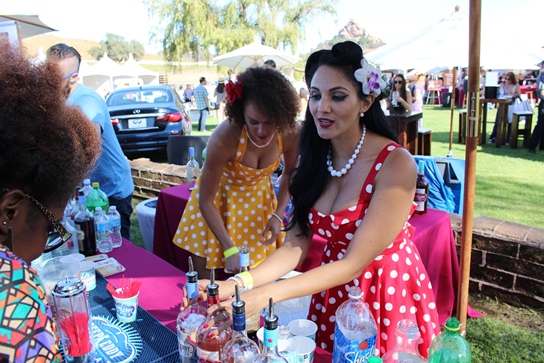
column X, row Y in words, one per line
column 287, row 346
column 406, row 346
column 115, row 224
column 355, row 330
column 87, row 188
column 450, row 346
column 97, row 198
column 102, row 226
column 192, row 167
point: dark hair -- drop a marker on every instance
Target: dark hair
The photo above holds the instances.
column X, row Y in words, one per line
column 271, row 92
column 270, row 63
column 202, row 79
column 310, row 177
column 62, row 51
column 46, row 147
column 220, row 87
column 402, row 88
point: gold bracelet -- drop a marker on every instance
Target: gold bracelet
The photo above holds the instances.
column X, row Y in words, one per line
column 278, row 217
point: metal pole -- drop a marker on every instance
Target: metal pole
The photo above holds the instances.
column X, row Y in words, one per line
column 473, row 103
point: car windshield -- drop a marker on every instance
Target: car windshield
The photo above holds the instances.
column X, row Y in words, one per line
column 127, row 97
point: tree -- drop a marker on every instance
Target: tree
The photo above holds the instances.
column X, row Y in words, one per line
column 198, row 26
column 118, row 48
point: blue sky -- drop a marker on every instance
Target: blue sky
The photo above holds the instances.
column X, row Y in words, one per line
column 389, row 20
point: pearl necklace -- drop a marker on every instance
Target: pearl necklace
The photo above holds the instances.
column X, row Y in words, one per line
column 257, row 145
column 345, row 169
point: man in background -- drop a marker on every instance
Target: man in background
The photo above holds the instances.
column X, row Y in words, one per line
column 537, row 138
column 112, row 168
column 202, row 103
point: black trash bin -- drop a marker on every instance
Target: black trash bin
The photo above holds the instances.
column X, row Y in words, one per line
column 446, row 99
column 178, row 148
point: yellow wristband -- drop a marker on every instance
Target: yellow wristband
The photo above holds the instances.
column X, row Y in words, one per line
column 247, row 278
column 230, row 252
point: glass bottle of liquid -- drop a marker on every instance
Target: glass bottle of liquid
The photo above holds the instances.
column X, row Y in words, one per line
column 406, row 346
column 214, row 333
column 240, row 348
column 192, row 167
column 253, row 322
column 270, row 353
column 189, row 319
column 84, row 221
column 450, row 346
column 355, row 330
column 422, row 189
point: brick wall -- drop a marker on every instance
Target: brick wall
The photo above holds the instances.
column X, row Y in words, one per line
column 507, row 258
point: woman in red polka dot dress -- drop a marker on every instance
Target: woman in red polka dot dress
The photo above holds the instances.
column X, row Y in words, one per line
column 354, row 186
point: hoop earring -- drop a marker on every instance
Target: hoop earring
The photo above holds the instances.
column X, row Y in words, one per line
column 362, row 114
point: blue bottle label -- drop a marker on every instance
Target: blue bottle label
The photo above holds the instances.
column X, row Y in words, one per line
column 192, row 290
column 244, row 259
column 352, row 351
column 239, row 322
column 270, row 338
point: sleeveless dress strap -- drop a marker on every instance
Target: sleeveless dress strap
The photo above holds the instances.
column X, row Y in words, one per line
column 368, row 185
column 242, row 145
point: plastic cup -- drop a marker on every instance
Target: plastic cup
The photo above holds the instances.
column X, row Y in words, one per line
column 126, row 309
column 88, row 274
column 305, row 349
column 303, row 328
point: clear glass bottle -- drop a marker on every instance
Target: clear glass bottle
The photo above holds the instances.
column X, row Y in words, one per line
column 189, row 319
column 213, row 334
column 240, row 348
column 450, row 346
column 406, row 347
column 192, row 167
column 422, row 189
column 287, row 346
column 115, row 223
column 253, row 322
column 355, row 330
column 270, row 353
column 97, row 198
column 103, row 231
column 86, row 233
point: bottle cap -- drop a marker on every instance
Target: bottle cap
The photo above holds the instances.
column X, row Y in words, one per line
column 270, row 320
column 87, row 182
column 355, row 293
column 192, row 152
column 452, row 324
column 238, row 305
column 421, row 167
column 97, row 209
column 96, row 184
column 112, row 208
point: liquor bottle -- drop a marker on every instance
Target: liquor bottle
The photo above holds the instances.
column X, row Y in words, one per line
column 97, row 198
column 422, row 189
column 192, row 167
column 253, row 322
column 406, row 346
column 355, row 330
column 214, row 333
column 189, row 319
column 240, row 348
column 103, row 231
column 450, row 346
column 270, row 353
column 115, row 222
column 84, row 222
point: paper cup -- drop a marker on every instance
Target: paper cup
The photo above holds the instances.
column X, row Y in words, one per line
column 260, row 337
column 126, row 308
column 88, row 274
column 305, row 349
column 303, row 328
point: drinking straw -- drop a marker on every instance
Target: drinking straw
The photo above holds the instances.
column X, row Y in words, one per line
column 76, row 327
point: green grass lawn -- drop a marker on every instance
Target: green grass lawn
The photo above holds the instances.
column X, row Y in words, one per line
column 509, row 186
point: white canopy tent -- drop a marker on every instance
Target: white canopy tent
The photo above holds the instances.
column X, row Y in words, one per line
column 101, row 76
column 133, row 69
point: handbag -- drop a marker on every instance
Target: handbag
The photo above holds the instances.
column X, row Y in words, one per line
column 519, row 106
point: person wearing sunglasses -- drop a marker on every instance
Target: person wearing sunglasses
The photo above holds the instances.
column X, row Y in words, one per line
column 401, row 98
column 46, row 150
column 507, row 89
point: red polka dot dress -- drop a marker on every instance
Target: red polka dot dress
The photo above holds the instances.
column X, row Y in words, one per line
column 395, row 285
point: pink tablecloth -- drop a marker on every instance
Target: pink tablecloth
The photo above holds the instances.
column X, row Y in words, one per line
column 162, row 284
column 433, row 237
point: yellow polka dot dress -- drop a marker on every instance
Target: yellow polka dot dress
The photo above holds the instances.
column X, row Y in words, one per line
column 245, row 199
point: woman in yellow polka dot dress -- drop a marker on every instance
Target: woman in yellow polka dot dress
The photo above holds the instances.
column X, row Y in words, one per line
column 233, row 202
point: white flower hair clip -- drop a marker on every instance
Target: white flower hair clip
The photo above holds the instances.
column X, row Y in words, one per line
column 372, row 79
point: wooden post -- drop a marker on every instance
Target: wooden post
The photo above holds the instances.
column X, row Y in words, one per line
column 473, row 103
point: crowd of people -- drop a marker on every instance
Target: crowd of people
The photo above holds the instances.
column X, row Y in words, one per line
column 347, row 177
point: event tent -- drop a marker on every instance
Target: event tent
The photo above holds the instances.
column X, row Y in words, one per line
column 132, row 69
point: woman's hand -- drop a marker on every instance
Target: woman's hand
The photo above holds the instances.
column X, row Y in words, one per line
column 226, row 291
column 232, row 264
column 274, row 227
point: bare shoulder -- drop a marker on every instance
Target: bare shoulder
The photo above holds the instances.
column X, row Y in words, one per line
column 225, row 139
column 291, row 135
column 400, row 164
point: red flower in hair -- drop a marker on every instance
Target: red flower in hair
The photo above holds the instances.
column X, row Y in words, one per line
column 234, row 90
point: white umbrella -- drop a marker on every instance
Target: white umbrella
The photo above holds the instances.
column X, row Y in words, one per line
column 255, row 54
column 29, row 25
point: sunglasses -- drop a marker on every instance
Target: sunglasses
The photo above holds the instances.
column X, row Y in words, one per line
column 56, row 236
column 398, row 82
column 69, row 75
